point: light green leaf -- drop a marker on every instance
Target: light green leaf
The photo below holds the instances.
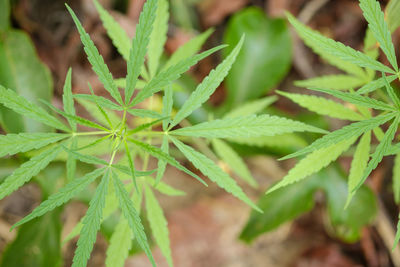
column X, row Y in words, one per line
column 61, row 197
column 207, row 87
column 144, row 113
column 120, row 244
column 213, row 172
column 337, row 49
column 158, row 36
column 132, row 217
column 104, row 102
column 97, row 114
column 234, row 161
column 11, row 144
column 396, row 178
column 162, row 164
column 392, row 15
column 27, row 170
column 71, row 161
column 336, row 82
column 358, row 164
column 324, row 106
column 20, row 105
column 145, row 126
column 246, row 126
column 91, row 223
column 4, row 15
column 168, row 102
column 345, row 133
column 397, row 237
column 85, row 158
column 131, row 164
column 389, row 89
column 375, row 84
column 158, row 224
column 164, row 188
column 281, row 141
column 68, row 100
column 376, row 22
column 314, row 162
column 96, row 60
column 252, row 107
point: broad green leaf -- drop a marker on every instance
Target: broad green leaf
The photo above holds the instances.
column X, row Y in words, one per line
column 104, row 102
column 357, row 99
column 132, row 217
column 27, row 170
column 96, row 60
column 376, row 22
column 358, row 164
column 324, row 106
column 314, row 162
column 188, row 49
column 396, row 178
column 336, row 82
column 164, row 78
column 120, row 244
column 158, row 36
column 345, row 133
column 144, row 113
column 337, row 49
column 375, row 84
column 245, row 126
column 11, row 144
column 392, row 15
column 213, row 172
column 160, row 155
column 117, row 34
column 62, row 196
column 207, row 87
column 91, row 223
column 162, row 164
column 158, row 224
column 252, row 107
column 17, row 103
column 380, row 151
column 68, row 100
column 234, row 161
column 4, row 15
column 22, row 71
column 280, row 206
column 264, row 59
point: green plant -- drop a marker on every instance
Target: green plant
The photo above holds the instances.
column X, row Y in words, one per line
column 124, row 132
column 370, row 107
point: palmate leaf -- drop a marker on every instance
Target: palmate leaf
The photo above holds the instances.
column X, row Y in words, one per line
column 159, row 154
column 139, row 46
column 164, row 78
column 11, row 144
column 158, row 224
column 380, row 151
column 61, row 197
column 345, row 133
column 96, row 60
column 132, row 217
column 245, row 126
column 396, row 178
column 337, row 49
column 323, row 106
column 376, row 22
column 17, row 103
column 375, row 84
column 68, row 100
column 207, row 87
column 27, row 170
column 213, row 172
column 358, row 164
column 336, row 82
column 91, row 223
column 252, row 107
column 314, row 162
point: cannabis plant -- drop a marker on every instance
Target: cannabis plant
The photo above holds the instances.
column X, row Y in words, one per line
column 368, row 105
column 124, row 134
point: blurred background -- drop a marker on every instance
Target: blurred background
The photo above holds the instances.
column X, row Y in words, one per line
column 205, row 224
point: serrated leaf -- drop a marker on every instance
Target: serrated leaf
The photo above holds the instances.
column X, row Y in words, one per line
column 234, row 161
column 168, row 102
column 96, row 60
column 71, row 161
column 85, row 158
column 132, row 217
column 358, row 164
column 314, row 162
column 68, row 100
column 158, row 224
column 375, row 84
column 105, row 117
column 337, row 49
column 20, row 105
column 159, row 154
column 345, row 133
column 376, row 22
column 213, row 172
column 164, row 78
column 62, row 196
column 396, row 178
column 207, row 87
column 251, row 107
column 245, row 126
column 144, row 113
column 11, row 144
column 162, row 164
column 91, row 223
column 280, row 141
column 324, row 106
column 120, row 244
column 104, row 102
column 27, row 170
column 131, row 164
column 336, row 82
column 145, row 126
column 391, row 93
